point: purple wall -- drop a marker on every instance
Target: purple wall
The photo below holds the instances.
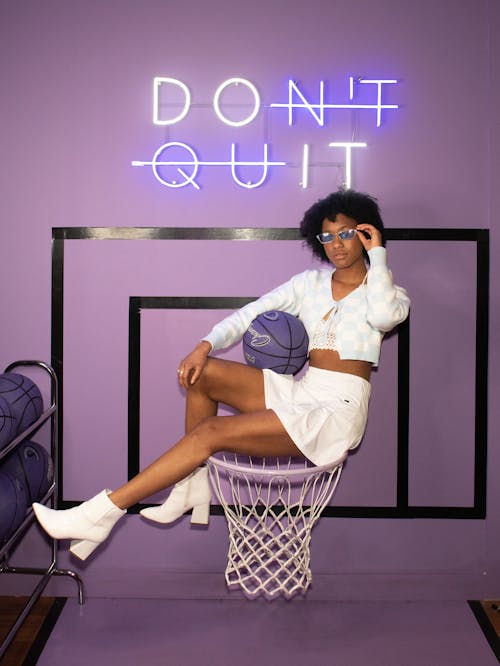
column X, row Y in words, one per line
column 76, row 107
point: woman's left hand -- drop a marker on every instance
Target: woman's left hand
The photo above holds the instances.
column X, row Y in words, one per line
column 369, row 236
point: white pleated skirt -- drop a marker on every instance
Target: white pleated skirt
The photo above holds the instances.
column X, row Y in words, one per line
column 324, row 412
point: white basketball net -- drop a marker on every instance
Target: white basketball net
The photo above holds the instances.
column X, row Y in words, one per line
column 271, row 506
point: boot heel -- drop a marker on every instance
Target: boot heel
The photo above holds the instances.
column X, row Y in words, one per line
column 200, row 514
column 82, row 548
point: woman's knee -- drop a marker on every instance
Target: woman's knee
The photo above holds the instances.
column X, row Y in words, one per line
column 210, row 434
column 202, row 385
column 235, row 384
column 210, row 372
column 211, row 377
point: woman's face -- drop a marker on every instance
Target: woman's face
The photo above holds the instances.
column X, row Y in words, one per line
column 342, row 253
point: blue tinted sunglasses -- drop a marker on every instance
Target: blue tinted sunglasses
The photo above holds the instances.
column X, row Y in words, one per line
column 327, row 237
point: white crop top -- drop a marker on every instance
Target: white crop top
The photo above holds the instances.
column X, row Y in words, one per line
column 324, row 336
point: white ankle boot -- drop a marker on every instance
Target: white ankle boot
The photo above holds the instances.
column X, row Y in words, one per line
column 193, row 492
column 87, row 524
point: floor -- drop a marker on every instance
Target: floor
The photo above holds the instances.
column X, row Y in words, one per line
column 222, row 633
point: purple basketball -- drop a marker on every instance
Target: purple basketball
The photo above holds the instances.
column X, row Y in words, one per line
column 24, row 398
column 278, row 341
column 13, row 505
column 8, row 423
column 31, row 464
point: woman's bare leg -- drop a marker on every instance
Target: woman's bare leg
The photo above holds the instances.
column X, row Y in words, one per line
column 257, row 434
column 234, row 384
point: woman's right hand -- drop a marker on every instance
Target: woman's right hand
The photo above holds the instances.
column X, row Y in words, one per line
column 191, row 367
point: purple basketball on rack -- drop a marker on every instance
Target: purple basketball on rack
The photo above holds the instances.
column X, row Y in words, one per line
column 8, row 423
column 24, row 398
column 13, row 505
column 31, row 464
column 278, row 341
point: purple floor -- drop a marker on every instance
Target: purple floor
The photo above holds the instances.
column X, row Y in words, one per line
column 188, row 633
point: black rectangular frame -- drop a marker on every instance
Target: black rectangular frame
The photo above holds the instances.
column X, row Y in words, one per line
column 136, row 304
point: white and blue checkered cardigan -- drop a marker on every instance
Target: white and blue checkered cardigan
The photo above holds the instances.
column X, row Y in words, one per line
column 362, row 317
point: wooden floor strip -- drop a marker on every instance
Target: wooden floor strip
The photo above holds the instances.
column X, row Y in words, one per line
column 31, row 637
column 44, row 632
column 483, row 612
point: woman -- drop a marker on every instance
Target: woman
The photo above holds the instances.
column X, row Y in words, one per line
column 346, row 311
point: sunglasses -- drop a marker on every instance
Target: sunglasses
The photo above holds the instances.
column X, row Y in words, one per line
column 327, row 237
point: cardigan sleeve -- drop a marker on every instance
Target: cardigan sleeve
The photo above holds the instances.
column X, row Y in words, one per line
column 387, row 304
column 286, row 297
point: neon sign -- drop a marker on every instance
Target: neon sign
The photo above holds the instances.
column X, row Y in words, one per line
column 176, row 164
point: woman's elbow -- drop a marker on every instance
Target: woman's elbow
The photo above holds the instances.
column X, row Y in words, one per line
column 385, row 321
